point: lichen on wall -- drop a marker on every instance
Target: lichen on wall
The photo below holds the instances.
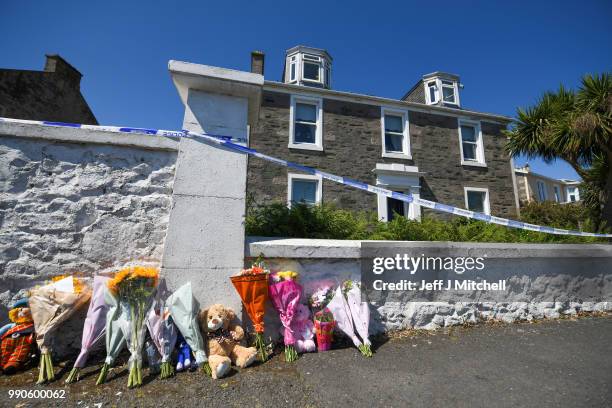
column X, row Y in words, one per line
column 67, row 207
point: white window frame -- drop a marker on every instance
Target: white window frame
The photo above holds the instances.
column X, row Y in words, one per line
column 542, row 194
column 557, row 193
column 487, row 205
column 574, row 193
column 309, row 177
column 318, row 102
column 427, row 93
column 453, row 86
column 293, row 63
column 439, row 93
column 313, row 59
column 480, row 156
column 405, row 153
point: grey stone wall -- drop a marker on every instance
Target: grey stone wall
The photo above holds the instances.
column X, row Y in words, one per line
column 541, row 276
column 352, row 147
column 67, row 207
column 53, row 94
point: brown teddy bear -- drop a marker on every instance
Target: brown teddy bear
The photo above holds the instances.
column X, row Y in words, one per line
column 223, row 335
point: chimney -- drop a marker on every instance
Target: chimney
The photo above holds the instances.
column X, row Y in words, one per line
column 60, row 66
column 257, row 62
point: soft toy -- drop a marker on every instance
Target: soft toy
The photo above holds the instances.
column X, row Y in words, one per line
column 183, row 355
column 303, row 330
column 17, row 338
column 223, row 336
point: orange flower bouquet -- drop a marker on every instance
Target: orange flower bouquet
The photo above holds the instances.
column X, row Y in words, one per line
column 252, row 286
column 51, row 305
column 134, row 288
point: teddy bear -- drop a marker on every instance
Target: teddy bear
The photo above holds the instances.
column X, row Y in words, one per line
column 303, row 330
column 17, row 338
column 223, row 336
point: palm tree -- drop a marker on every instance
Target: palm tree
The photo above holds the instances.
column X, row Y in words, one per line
column 575, row 127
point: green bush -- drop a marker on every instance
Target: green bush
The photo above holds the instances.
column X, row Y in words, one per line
column 574, row 216
column 328, row 222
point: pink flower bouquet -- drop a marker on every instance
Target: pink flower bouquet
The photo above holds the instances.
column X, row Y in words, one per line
column 285, row 295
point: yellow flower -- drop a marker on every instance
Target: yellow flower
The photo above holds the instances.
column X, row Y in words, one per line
column 290, row 275
column 133, row 272
column 147, row 272
column 120, row 276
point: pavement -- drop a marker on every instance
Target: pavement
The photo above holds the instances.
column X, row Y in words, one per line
column 561, row 363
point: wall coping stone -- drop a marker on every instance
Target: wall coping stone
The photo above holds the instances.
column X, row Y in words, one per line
column 332, row 248
column 87, row 136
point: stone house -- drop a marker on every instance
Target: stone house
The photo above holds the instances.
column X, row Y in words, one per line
column 425, row 143
column 536, row 187
column 53, row 94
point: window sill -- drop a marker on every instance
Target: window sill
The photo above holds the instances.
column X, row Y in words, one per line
column 305, row 146
column 397, row 156
column 473, row 164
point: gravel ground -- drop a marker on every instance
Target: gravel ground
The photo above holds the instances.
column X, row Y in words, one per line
column 564, row 363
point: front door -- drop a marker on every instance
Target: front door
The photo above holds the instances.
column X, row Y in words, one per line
column 395, row 207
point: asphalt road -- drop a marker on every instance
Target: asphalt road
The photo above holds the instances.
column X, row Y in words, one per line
column 565, row 363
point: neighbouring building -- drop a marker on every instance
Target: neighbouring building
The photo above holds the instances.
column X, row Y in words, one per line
column 536, row 187
column 53, row 94
column 425, row 143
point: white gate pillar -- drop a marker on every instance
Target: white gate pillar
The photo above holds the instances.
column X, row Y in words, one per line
column 205, row 238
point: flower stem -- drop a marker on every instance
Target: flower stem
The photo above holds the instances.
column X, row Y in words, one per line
column 290, row 354
column 103, row 374
column 261, row 346
column 45, row 370
column 41, row 370
column 365, row 350
column 74, row 375
column 166, row 369
column 206, row 369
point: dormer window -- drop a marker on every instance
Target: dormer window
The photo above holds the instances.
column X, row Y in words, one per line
column 432, row 92
column 308, row 66
column 293, row 68
column 441, row 88
column 312, row 68
column 448, row 92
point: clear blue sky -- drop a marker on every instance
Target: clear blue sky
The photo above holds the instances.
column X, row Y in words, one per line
column 507, row 53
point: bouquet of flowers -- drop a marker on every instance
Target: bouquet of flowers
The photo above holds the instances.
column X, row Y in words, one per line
column 183, row 309
column 320, row 298
column 162, row 330
column 134, row 287
column 352, row 314
column 285, row 294
column 324, row 324
column 360, row 312
column 115, row 340
column 51, row 305
column 252, row 286
column 94, row 327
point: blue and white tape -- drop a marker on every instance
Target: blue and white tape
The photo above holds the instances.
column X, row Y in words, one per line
column 238, row 145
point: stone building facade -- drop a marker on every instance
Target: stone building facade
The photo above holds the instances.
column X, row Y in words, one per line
column 536, row 187
column 53, row 94
column 352, row 139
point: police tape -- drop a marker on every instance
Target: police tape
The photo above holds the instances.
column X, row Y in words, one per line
column 239, row 145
